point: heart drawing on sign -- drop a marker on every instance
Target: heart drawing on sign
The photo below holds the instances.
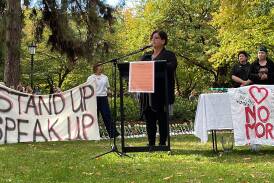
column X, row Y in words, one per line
column 258, row 94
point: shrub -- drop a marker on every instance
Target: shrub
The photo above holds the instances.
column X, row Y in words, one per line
column 184, row 109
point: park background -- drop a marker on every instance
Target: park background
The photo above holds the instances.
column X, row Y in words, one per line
column 71, row 35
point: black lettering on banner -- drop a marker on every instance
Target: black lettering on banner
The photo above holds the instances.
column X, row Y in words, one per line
column 19, row 101
column 86, row 126
column 51, row 129
column 86, row 95
column 1, row 131
column 9, row 107
column 31, row 104
column 39, row 133
column 8, row 127
column 20, row 133
column 48, row 108
column 54, row 102
column 69, row 128
column 78, row 136
column 80, row 107
column 5, row 99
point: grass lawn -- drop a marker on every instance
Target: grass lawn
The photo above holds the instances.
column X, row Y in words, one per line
column 190, row 161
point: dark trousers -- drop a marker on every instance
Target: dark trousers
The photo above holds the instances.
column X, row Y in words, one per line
column 104, row 110
column 151, row 119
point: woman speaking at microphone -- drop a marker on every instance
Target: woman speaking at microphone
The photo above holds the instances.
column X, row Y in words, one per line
column 153, row 105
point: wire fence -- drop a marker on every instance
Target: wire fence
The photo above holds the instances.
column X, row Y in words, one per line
column 181, row 122
column 138, row 130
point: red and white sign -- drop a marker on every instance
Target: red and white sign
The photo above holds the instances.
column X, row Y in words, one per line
column 252, row 109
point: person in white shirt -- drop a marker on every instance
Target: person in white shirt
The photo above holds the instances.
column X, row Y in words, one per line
column 102, row 90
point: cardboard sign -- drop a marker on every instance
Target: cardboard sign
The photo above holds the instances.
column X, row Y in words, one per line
column 141, row 77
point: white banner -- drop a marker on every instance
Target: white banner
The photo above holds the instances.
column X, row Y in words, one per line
column 71, row 115
column 252, row 109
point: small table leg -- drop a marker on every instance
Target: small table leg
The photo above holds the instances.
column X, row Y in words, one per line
column 216, row 147
column 214, row 141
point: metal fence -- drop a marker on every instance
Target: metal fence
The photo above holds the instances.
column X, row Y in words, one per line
column 137, row 130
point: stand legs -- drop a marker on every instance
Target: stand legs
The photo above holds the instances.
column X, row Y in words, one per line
column 214, row 141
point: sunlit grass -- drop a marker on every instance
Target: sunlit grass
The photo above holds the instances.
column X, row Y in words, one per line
column 190, row 161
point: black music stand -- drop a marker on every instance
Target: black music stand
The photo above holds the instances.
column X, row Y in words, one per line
column 160, row 72
column 114, row 146
column 114, row 62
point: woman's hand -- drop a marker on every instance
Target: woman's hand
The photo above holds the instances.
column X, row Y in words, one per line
column 264, row 77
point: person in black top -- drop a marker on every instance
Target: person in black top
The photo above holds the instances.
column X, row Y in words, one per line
column 153, row 105
column 262, row 70
column 240, row 71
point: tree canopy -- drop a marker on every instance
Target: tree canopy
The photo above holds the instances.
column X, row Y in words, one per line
column 206, row 36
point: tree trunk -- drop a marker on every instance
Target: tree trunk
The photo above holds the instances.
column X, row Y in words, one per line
column 13, row 38
column 2, row 44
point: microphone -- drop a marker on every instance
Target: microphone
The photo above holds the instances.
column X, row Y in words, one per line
column 146, row 47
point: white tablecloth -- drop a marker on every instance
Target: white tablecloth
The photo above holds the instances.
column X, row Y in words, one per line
column 213, row 113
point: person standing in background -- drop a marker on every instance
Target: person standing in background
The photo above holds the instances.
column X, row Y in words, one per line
column 240, row 71
column 102, row 90
column 262, row 70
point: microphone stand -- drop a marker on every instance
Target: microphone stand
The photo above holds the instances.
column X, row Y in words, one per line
column 114, row 62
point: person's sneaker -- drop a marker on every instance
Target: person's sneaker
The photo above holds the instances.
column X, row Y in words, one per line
column 150, row 147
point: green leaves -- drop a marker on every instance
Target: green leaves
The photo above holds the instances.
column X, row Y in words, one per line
column 243, row 25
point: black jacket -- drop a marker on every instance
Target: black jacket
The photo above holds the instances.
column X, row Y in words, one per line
column 241, row 71
column 158, row 97
column 254, row 71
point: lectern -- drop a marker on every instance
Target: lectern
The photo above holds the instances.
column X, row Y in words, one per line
column 160, row 73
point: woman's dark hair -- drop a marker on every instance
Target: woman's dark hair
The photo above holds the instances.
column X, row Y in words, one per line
column 262, row 48
column 244, row 53
column 95, row 66
column 162, row 34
